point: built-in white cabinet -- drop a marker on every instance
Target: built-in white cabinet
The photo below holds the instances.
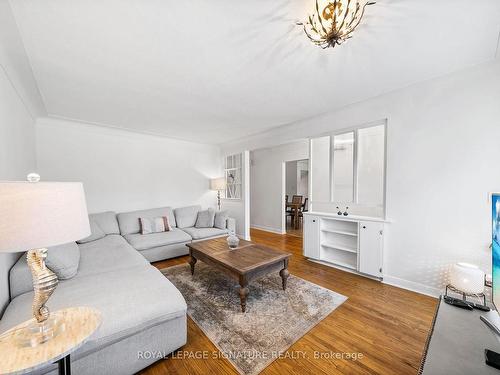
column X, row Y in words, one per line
column 354, row 243
column 371, row 245
column 311, row 244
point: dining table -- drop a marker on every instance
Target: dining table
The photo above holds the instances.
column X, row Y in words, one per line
column 295, row 209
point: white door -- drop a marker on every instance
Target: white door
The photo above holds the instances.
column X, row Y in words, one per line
column 311, row 236
column 370, row 248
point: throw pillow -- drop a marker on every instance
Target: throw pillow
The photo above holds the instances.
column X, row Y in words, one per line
column 154, row 224
column 63, row 260
column 185, row 217
column 95, row 233
column 221, row 219
column 205, row 219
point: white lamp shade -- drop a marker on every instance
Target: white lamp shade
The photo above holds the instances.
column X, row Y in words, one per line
column 467, row 278
column 41, row 214
column 218, row 183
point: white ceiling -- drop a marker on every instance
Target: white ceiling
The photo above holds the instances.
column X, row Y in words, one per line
column 214, row 71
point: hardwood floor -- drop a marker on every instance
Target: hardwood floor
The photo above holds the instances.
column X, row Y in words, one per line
column 290, row 229
column 387, row 325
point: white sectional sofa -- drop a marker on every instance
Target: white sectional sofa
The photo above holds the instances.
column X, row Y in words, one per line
column 141, row 309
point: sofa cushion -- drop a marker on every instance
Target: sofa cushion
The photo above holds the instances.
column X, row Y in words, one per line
column 110, row 253
column 63, row 260
column 148, row 241
column 130, row 300
column 200, row 233
column 185, row 217
column 205, row 219
column 101, row 224
column 129, row 221
column 221, row 219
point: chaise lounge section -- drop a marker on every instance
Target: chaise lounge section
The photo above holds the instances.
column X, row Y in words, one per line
column 142, row 311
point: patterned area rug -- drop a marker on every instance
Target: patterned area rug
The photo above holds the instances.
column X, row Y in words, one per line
column 273, row 321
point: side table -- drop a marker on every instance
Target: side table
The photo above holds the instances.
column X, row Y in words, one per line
column 79, row 324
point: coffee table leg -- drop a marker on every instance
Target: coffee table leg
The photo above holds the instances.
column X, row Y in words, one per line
column 192, row 262
column 284, row 273
column 243, row 293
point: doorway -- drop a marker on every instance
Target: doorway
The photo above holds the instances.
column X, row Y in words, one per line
column 296, row 195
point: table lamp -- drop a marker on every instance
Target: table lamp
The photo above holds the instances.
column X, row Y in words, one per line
column 467, row 280
column 218, row 184
column 33, row 216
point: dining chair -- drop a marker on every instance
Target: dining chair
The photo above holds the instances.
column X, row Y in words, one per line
column 297, row 199
column 303, row 209
column 304, row 205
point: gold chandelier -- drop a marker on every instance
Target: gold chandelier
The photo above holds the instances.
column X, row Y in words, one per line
column 335, row 23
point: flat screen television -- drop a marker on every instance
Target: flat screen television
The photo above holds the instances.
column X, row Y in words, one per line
column 493, row 319
column 495, row 249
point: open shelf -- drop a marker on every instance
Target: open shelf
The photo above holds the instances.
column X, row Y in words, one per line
column 339, row 247
column 340, row 257
column 340, row 232
column 339, row 242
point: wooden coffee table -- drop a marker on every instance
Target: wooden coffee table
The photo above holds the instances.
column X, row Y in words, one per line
column 247, row 262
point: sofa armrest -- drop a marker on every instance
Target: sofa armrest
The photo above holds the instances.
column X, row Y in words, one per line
column 231, row 224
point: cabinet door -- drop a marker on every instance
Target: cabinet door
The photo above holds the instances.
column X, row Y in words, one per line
column 311, row 236
column 370, row 248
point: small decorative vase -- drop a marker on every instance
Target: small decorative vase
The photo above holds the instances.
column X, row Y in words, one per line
column 232, row 240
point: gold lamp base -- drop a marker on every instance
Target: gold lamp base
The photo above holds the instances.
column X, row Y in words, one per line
column 43, row 327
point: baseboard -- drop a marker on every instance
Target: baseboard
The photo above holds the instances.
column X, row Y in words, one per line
column 413, row 286
column 267, row 229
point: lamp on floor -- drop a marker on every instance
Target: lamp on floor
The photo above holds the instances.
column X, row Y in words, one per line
column 33, row 216
column 218, row 184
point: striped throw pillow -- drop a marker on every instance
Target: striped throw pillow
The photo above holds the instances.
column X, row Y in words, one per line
column 154, row 224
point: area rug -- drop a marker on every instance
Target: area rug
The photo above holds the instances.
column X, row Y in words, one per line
column 273, row 321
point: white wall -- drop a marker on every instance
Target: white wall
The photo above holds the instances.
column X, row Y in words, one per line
column 296, row 178
column 123, row 170
column 303, row 178
column 19, row 103
column 266, row 205
column 291, row 178
column 442, row 160
column 17, row 157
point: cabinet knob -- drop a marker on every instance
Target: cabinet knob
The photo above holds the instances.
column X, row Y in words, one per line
column 314, row 221
column 364, row 226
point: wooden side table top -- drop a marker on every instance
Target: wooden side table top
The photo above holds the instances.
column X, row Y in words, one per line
column 80, row 323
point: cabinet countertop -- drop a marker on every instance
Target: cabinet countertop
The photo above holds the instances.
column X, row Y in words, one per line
column 347, row 218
